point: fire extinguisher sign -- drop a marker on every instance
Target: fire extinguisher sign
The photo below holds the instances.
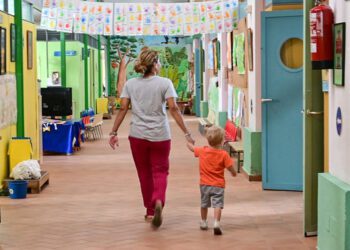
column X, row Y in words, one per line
column 316, row 21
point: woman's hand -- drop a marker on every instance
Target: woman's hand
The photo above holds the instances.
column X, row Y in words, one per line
column 189, row 139
column 113, row 141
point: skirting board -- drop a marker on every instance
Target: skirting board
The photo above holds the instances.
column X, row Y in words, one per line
column 251, row 177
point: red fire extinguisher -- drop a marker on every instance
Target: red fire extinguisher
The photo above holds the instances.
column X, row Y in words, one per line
column 321, row 32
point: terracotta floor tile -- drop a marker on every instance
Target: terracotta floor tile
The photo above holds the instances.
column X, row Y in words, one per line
column 94, row 202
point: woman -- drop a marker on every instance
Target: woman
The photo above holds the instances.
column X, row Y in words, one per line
column 149, row 136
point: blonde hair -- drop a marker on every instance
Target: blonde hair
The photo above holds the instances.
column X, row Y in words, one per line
column 215, row 135
column 145, row 61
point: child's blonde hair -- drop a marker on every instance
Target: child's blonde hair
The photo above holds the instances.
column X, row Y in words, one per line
column 215, row 135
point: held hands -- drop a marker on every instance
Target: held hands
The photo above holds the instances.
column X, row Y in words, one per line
column 113, row 141
column 189, row 138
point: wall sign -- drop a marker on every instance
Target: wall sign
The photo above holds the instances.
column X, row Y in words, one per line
column 339, row 121
column 68, row 53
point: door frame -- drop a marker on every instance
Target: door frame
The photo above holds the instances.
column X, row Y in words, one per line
column 313, row 149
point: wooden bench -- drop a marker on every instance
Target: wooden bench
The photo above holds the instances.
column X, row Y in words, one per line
column 206, row 122
column 35, row 186
column 236, row 147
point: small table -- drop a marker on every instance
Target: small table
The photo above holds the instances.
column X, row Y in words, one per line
column 237, row 147
column 182, row 105
column 62, row 137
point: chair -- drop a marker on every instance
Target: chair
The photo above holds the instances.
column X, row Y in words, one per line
column 188, row 106
column 94, row 130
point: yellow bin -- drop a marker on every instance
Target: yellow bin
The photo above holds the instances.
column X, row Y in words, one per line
column 102, row 105
column 20, row 149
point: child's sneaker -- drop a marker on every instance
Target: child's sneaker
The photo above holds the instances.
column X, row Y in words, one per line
column 203, row 225
column 217, row 228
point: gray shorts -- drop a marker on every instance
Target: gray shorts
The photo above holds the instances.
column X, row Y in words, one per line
column 212, row 196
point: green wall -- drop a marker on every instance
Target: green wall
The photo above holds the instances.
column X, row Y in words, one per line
column 333, row 213
column 75, row 71
column 252, row 152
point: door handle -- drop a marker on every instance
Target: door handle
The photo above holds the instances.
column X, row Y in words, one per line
column 308, row 112
column 266, row 100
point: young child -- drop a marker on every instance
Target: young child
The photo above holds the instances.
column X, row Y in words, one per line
column 213, row 160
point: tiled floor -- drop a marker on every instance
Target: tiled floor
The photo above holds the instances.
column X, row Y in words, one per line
column 93, row 202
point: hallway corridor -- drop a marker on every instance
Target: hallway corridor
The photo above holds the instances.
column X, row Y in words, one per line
column 94, row 202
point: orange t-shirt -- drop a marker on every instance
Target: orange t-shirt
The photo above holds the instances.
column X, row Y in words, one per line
column 212, row 163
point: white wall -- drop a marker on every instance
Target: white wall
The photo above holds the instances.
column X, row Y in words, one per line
column 254, row 77
column 339, row 146
column 222, row 73
column 206, row 76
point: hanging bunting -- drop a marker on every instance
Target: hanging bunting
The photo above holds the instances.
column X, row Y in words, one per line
column 235, row 14
column 218, row 6
column 65, row 15
column 162, row 16
column 211, row 18
column 175, row 19
column 119, row 19
column 147, row 11
column 203, row 20
column 108, row 19
column 82, row 18
column 188, row 19
column 196, row 18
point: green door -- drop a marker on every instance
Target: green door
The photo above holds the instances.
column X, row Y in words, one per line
column 313, row 131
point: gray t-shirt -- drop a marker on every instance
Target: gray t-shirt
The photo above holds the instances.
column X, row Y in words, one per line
column 148, row 101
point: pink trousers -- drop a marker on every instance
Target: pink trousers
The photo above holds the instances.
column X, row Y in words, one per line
column 152, row 164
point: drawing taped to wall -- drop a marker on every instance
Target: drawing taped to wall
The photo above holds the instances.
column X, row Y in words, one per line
column 29, row 50
column 2, row 51
column 229, row 50
column 13, row 42
column 8, row 100
column 339, row 54
column 250, row 49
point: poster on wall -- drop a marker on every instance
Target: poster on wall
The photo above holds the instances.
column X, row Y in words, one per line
column 229, row 50
column 230, row 102
column 239, row 53
column 211, row 55
column 173, row 55
column 339, row 54
column 8, row 100
column 2, row 51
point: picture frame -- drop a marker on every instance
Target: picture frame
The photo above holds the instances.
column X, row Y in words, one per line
column 229, row 50
column 215, row 55
column 339, row 41
column 210, row 56
column 2, row 51
column 250, row 48
column 13, row 42
column 29, row 49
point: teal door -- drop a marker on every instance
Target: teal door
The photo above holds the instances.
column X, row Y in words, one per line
column 282, row 93
column 198, row 77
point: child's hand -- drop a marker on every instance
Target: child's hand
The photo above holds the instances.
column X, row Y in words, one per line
column 232, row 170
column 190, row 146
column 233, row 173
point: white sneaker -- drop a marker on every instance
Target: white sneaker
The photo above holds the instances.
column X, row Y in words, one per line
column 217, row 228
column 203, row 225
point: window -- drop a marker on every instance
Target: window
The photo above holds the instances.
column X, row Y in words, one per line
column 2, row 5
